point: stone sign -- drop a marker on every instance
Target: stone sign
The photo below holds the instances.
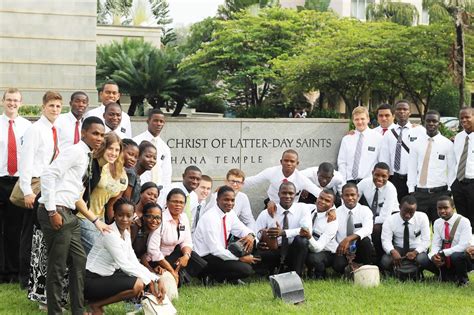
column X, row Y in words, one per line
column 217, row 145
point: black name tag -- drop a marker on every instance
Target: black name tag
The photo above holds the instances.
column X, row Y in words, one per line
column 371, row 149
column 358, row 225
column 181, row 228
column 441, row 157
column 413, row 139
column 162, row 157
column 417, row 233
column 123, row 129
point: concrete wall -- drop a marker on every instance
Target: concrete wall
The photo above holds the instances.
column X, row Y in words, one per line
column 47, row 45
column 106, row 34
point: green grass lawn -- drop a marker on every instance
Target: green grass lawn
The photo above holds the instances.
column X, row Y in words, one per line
column 322, row 297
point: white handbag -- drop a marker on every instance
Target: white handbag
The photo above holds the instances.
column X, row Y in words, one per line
column 152, row 307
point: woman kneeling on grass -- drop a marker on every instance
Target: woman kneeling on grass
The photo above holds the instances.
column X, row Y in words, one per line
column 113, row 272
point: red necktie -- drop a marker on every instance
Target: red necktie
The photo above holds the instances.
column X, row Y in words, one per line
column 447, row 244
column 284, row 180
column 12, row 163
column 76, row 132
column 384, row 130
column 55, row 139
column 225, row 230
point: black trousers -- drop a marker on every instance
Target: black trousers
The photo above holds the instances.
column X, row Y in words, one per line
column 463, row 195
column 365, row 254
column 377, row 242
column 387, row 261
column 400, row 183
column 460, row 265
column 427, row 203
column 295, row 258
column 319, row 262
column 195, row 265
column 226, row 269
column 11, row 218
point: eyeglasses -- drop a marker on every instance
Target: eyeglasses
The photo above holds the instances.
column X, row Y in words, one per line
column 153, row 217
column 235, row 182
column 177, row 202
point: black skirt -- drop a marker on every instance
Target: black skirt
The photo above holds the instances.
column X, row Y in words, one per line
column 97, row 287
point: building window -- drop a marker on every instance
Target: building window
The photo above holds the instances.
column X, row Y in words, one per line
column 358, row 8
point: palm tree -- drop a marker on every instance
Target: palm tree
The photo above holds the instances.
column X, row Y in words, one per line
column 459, row 11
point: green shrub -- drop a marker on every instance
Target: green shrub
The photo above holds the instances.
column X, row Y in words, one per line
column 256, row 112
column 208, row 104
column 324, row 113
column 446, row 100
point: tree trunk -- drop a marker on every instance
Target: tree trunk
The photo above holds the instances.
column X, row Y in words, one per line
column 178, row 108
column 460, row 61
column 135, row 100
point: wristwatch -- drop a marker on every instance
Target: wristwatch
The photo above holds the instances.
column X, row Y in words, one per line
column 52, row 213
column 441, row 253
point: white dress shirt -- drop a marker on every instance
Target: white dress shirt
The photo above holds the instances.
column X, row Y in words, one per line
column 163, row 159
column 363, row 223
column 20, row 125
column 208, row 238
column 379, row 129
column 241, row 208
column 61, row 181
column 112, row 252
column 125, row 125
column 460, row 241
column 117, row 131
column 441, row 168
column 274, row 176
column 299, row 216
column 389, row 146
column 419, row 231
column 335, row 184
column 369, row 153
column 387, row 198
column 36, row 152
column 66, row 125
column 459, row 141
column 326, row 231
column 194, row 200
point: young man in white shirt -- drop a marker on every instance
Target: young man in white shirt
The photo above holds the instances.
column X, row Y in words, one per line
column 359, row 151
column 286, row 172
column 191, row 180
column 448, row 257
column 162, row 172
column 211, row 239
column 323, row 176
column 396, row 147
column 61, row 187
column 431, row 166
column 235, row 178
column 377, row 193
column 405, row 235
column 463, row 186
column 355, row 225
column 289, row 219
column 322, row 237
column 112, row 119
column 110, row 94
column 203, row 191
column 39, row 148
column 69, row 124
column 384, row 118
column 13, row 127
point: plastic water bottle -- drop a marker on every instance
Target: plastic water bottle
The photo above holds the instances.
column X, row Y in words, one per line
column 352, row 248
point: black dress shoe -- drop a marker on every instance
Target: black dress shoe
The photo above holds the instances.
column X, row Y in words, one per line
column 236, row 282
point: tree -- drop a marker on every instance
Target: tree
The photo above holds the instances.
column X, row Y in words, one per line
column 231, row 7
column 160, row 9
column 318, row 5
column 458, row 11
column 240, row 55
column 397, row 12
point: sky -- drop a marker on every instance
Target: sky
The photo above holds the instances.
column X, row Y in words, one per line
column 185, row 12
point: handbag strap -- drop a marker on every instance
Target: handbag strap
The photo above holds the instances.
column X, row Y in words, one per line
column 395, row 134
column 453, row 230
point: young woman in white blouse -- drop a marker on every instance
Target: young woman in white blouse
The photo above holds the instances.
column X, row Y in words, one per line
column 113, row 272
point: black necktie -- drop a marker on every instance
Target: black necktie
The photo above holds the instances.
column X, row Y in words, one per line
column 86, row 179
column 375, row 202
column 196, row 219
column 406, row 238
column 315, row 215
column 284, row 241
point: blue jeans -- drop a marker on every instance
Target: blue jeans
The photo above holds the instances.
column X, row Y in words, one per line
column 89, row 234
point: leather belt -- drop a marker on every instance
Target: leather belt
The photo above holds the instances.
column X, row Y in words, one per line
column 432, row 190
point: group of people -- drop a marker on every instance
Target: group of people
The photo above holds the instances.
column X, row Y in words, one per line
column 89, row 209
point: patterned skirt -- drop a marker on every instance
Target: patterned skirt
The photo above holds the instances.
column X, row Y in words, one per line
column 38, row 271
